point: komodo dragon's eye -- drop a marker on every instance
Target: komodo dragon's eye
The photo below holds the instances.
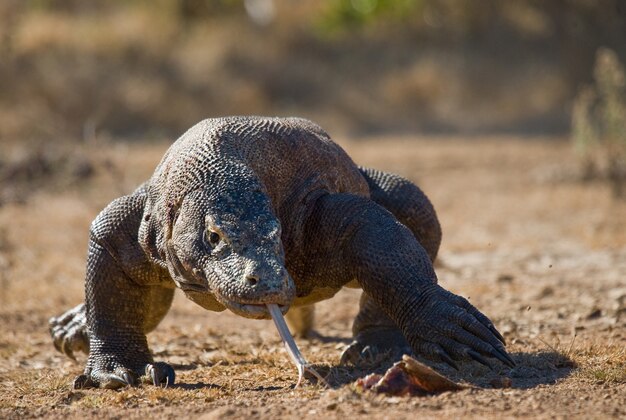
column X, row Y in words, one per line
column 212, row 238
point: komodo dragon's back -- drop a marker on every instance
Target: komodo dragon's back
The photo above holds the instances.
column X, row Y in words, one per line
column 290, row 156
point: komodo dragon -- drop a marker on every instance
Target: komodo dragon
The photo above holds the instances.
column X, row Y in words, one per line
column 247, row 211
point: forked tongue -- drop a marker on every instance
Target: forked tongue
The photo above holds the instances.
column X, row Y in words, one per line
column 291, row 347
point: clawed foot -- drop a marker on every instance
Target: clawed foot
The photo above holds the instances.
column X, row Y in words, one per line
column 448, row 328
column 69, row 331
column 444, row 327
column 376, row 345
column 158, row 374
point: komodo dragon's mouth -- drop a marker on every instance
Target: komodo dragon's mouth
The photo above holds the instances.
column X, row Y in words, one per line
column 190, row 287
column 251, row 310
column 200, row 294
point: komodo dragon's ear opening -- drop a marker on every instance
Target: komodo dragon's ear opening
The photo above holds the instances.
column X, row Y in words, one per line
column 173, row 211
column 177, row 269
column 150, row 239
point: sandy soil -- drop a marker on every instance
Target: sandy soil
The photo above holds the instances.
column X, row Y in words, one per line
column 543, row 256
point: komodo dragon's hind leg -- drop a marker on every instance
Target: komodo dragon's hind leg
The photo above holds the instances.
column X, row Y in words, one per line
column 300, row 320
column 375, row 335
column 408, row 204
column 374, row 332
column 69, row 331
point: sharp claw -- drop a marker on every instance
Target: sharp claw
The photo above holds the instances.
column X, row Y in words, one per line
column 447, row 359
column 116, row 382
column 128, row 378
column 57, row 345
column 161, row 374
column 344, row 359
column 82, row 382
column 347, row 356
column 477, row 357
column 117, row 378
column 171, row 377
column 495, row 332
column 512, row 363
column 67, row 350
column 367, row 353
column 503, row 357
column 153, row 375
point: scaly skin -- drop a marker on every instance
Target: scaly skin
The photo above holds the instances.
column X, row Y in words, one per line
column 245, row 211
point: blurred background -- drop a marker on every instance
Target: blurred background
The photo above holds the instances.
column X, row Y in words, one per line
column 78, row 69
column 93, row 71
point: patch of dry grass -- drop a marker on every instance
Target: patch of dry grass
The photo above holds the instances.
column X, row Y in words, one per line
column 602, row 363
column 33, row 388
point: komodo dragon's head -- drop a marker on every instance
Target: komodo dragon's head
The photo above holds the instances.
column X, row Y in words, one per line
column 225, row 251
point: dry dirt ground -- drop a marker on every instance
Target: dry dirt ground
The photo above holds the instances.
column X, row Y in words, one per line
column 543, row 256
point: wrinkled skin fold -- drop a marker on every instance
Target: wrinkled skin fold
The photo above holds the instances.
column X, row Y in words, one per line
column 245, row 212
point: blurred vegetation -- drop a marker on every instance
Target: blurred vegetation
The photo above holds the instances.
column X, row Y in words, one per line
column 81, row 69
column 343, row 15
column 599, row 124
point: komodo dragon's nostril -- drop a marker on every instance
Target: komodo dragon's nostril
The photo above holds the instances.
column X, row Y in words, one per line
column 252, row 280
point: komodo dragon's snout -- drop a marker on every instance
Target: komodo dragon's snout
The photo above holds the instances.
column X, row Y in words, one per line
column 226, row 252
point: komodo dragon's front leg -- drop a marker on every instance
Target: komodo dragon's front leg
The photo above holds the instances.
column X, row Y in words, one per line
column 126, row 297
column 374, row 332
column 396, row 272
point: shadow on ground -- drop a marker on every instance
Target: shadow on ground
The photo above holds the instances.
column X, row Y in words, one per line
column 532, row 370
